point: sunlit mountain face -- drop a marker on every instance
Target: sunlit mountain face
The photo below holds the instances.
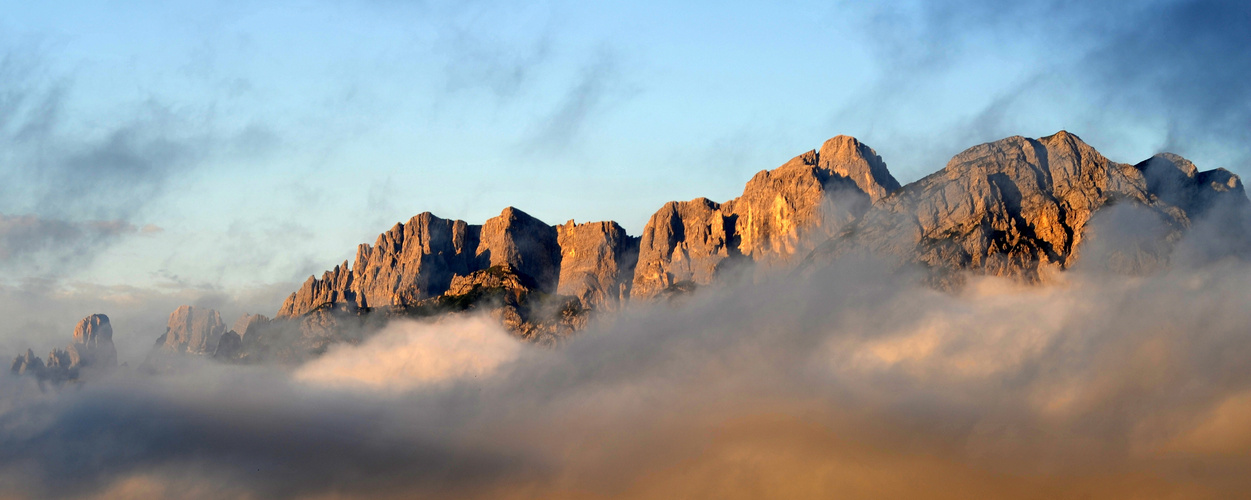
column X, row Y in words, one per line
column 630, row 261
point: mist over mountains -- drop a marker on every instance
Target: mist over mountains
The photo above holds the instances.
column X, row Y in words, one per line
column 1031, row 317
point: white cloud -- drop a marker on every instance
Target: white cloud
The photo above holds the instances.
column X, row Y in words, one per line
column 409, row 354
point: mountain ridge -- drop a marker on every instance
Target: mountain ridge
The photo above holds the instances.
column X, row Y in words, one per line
column 1016, row 207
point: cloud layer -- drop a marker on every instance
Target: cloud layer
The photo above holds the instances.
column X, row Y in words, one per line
column 857, row 381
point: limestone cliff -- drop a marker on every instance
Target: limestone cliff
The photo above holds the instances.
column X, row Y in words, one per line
column 415, row 261
column 596, row 263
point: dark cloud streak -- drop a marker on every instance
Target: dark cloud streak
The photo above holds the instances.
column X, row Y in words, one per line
column 1177, row 65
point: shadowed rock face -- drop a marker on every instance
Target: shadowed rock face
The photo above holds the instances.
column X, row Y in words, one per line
column 1175, row 180
column 192, row 330
column 1017, row 206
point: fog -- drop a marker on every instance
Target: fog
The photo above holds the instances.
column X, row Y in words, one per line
column 856, row 380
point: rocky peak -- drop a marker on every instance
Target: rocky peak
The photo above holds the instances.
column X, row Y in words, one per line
column 413, row 261
column 27, row 364
column 192, row 330
column 251, row 324
column 852, row 159
column 93, row 343
column 93, row 331
column 523, row 242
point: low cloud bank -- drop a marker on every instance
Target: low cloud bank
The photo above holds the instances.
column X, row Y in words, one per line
column 856, row 382
column 408, row 355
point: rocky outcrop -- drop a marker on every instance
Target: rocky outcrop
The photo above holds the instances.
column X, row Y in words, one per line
column 192, row 330
column 251, row 327
column 596, row 263
column 1019, row 207
column 91, row 351
column 410, row 262
column 782, row 213
column 512, row 297
column 28, row 364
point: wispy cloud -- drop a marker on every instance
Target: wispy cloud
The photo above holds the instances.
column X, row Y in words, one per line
column 599, row 85
column 57, row 163
column 37, row 245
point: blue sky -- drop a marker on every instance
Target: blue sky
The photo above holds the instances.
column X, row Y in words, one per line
column 258, row 145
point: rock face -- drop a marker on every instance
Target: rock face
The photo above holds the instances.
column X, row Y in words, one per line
column 684, row 241
column 192, row 330
column 524, row 243
column 781, row 214
column 1020, row 207
column 407, row 263
column 848, row 158
column 596, row 263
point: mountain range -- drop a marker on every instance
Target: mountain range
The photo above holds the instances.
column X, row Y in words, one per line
column 1016, row 207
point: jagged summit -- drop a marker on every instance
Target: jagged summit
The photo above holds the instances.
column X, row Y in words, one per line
column 416, row 261
column 91, row 351
column 1019, row 206
column 850, row 158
